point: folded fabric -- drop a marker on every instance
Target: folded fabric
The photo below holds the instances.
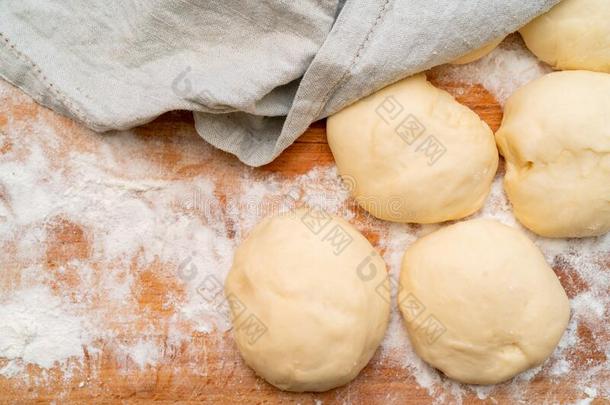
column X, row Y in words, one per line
column 255, row 73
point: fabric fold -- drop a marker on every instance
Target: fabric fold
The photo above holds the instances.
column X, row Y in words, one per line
column 256, row 74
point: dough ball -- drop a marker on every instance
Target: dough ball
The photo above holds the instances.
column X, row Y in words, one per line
column 575, row 34
column 555, row 137
column 411, row 153
column 480, row 303
column 310, row 300
column 477, row 53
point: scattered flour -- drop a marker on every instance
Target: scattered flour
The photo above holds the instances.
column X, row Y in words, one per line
column 36, row 327
column 141, row 227
column 585, row 257
column 501, row 72
column 143, row 353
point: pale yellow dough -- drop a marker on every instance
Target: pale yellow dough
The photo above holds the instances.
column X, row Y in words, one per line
column 412, row 153
column 480, row 303
column 478, row 53
column 575, row 34
column 322, row 306
column 555, row 137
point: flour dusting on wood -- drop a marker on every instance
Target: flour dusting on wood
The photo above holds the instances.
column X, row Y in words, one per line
column 94, row 254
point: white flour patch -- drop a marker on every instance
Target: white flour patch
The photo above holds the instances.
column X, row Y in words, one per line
column 36, row 327
column 143, row 353
column 501, row 72
column 12, row 369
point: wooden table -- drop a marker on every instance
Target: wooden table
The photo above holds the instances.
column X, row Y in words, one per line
column 208, row 368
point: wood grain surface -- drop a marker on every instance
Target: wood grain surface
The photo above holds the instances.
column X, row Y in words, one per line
column 208, row 369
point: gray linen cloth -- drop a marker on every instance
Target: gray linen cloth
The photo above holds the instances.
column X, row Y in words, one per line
column 255, row 73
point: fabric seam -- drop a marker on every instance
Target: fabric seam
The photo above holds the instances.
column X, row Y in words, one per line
column 359, row 52
column 67, row 102
column 340, row 81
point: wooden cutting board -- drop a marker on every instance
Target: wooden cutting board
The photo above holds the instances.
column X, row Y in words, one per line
column 208, row 369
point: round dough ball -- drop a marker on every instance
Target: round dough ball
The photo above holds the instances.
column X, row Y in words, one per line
column 310, row 300
column 480, row 303
column 412, row 153
column 478, row 53
column 575, row 34
column 555, row 137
